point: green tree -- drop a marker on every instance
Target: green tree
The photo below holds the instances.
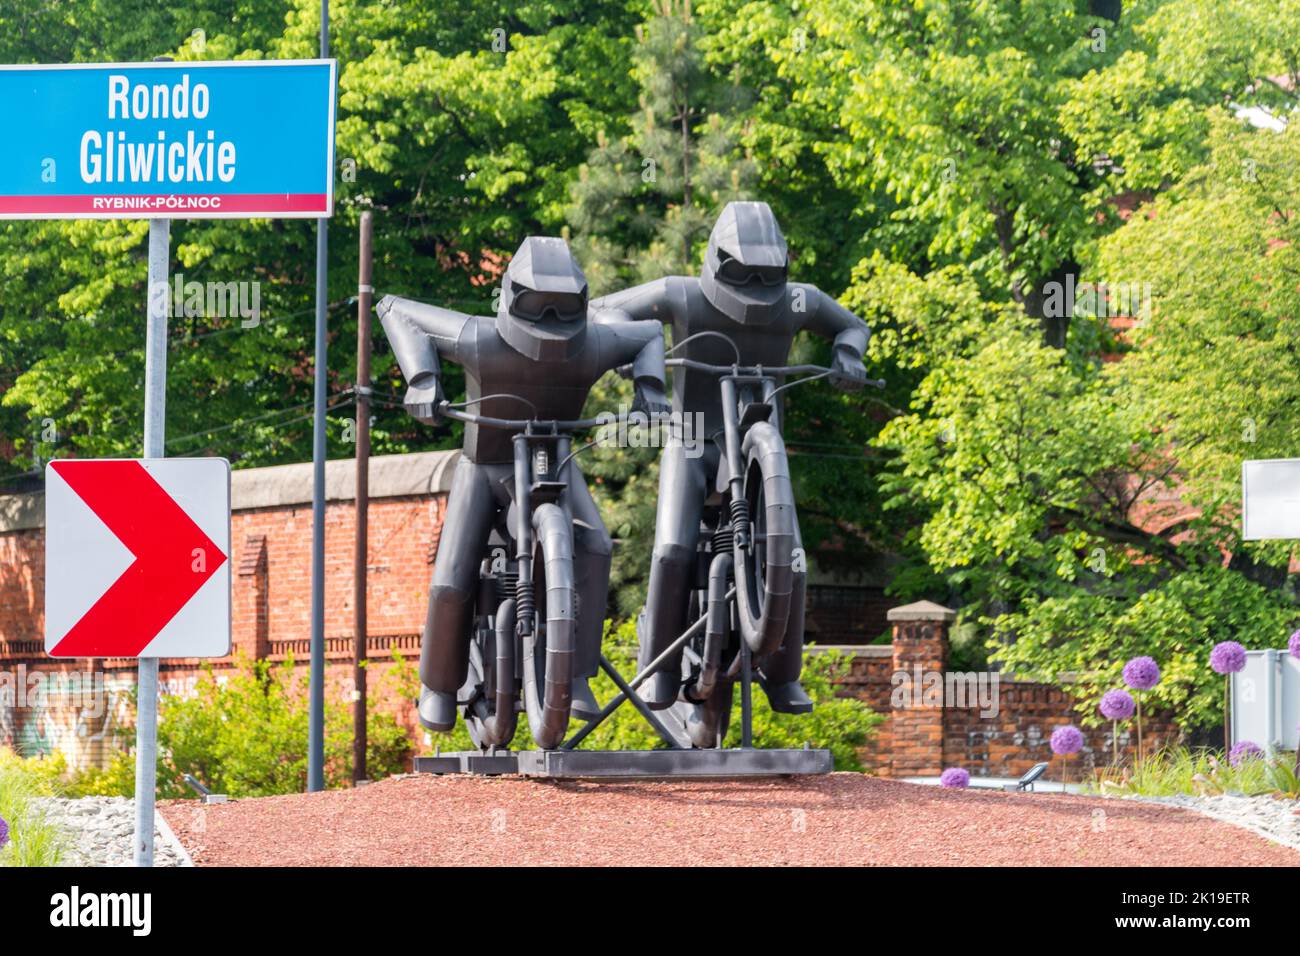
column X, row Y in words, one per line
column 1083, row 509
column 1214, row 361
column 641, row 207
column 458, row 126
column 644, row 202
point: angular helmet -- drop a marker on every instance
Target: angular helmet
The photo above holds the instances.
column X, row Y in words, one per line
column 746, row 264
column 543, row 311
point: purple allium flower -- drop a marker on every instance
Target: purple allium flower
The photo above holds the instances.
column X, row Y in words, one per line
column 1067, row 740
column 1141, row 673
column 4, row 833
column 1293, row 645
column 1117, row 705
column 1228, row 657
column 954, row 778
column 1243, row 749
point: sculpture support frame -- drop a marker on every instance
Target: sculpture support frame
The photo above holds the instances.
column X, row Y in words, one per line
column 679, row 760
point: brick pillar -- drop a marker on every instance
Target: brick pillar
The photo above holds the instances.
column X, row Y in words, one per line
column 920, row 649
column 252, row 611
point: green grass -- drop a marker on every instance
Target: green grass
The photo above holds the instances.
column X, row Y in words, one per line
column 33, row 839
column 1176, row 771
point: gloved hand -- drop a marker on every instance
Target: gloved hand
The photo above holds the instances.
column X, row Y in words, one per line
column 850, row 374
column 422, row 400
column 650, row 400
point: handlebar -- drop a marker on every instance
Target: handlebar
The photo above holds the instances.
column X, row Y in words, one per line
column 447, row 410
column 516, row 424
column 756, row 371
column 748, row 371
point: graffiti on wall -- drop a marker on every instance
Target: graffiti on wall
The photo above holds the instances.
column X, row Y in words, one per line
column 76, row 713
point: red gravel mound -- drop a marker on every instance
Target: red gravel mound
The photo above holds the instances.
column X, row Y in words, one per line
column 843, row 819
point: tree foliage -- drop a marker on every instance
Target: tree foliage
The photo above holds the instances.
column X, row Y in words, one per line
column 945, row 168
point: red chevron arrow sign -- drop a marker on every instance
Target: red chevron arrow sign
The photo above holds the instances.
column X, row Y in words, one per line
column 137, row 558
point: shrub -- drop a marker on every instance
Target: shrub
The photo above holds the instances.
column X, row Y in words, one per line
column 244, row 733
column 115, row 780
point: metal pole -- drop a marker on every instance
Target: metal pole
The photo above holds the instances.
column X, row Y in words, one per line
column 155, row 416
column 316, row 689
column 365, row 293
column 746, row 697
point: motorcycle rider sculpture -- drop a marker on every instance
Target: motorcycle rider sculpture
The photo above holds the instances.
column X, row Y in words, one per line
column 742, row 292
column 540, row 347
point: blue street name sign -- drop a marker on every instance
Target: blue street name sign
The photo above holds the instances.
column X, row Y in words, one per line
column 203, row 140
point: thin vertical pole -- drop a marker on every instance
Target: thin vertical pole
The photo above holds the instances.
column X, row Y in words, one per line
column 1139, row 715
column 1227, row 711
column 365, row 293
column 155, row 416
column 316, row 710
column 746, row 696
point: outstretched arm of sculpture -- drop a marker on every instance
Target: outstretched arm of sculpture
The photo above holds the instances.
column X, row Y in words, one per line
column 850, row 334
column 420, row 335
column 638, row 347
column 650, row 300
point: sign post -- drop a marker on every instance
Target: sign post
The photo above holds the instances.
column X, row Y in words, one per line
column 1270, row 511
column 155, row 422
column 316, row 686
column 157, row 141
column 137, row 565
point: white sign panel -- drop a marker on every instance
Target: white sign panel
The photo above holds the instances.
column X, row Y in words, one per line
column 1270, row 499
column 1266, row 700
column 137, row 558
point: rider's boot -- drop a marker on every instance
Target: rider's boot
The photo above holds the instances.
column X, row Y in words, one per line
column 703, row 721
column 778, row 675
column 787, row 697
column 444, row 653
column 437, row 710
column 592, row 551
column 584, row 705
column 660, row 689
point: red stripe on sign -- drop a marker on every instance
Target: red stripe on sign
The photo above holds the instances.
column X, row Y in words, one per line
column 165, row 205
column 160, row 581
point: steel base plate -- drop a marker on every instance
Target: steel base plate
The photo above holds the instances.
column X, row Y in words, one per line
column 628, row 764
column 469, row 761
column 673, row 763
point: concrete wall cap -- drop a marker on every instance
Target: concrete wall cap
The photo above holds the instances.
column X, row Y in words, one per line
column 921, row 611
column 853, row 650
column 391, row 476
column 21, row 512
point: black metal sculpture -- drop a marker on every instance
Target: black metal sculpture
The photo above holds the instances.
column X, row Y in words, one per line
column 727, row 575
column 733, row 328
column 539, row 355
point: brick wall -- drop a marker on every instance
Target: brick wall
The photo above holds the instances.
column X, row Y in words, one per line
column 270, row 601
column 22, row 588
column 928, row 729
column 272, row 574
column 270, row 562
